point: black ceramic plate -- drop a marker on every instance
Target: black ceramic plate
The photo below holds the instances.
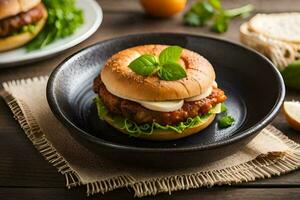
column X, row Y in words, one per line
column 254, row 88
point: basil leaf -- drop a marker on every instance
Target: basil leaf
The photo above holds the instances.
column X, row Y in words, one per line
column 220, row 23
column 144, row 65
column 226, row 121
column 204, row 10
column 216, row 4
column 170, row 54
column 192, row 19
column 171, row 71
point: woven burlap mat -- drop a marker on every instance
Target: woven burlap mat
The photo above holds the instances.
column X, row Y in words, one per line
column 270, row 153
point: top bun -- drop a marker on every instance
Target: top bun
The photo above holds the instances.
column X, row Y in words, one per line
column 13, row 7
column 122, row 81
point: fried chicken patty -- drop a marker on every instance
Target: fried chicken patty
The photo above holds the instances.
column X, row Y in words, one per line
column 11, row 24
column 141, row 115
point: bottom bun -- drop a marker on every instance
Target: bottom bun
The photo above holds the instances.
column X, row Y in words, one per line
column 15, row 41
column 162, row 135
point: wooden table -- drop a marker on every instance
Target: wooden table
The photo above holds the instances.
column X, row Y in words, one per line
column 25, row 175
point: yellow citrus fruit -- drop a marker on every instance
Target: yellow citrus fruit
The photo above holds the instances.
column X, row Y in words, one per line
column 163, row 8
column 291, row 111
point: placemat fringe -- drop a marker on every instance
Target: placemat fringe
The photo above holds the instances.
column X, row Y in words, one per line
column 107, row 185
column 275, row 163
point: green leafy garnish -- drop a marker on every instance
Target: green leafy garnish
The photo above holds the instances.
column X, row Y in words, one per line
column 216, row 4
column 170, row 54
column 220, row 24
column 102, row 111
column 192, row 19
column 203, row 12
column 291, row 75
column 226, row 121
column 63, row 20
column 145, row 65
column 171, row 71
column 165, row 66
column 136, row 130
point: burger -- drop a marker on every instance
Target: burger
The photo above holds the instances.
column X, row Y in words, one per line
column 20, row 22
column 158, row 92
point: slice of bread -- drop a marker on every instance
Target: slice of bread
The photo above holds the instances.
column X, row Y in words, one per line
column 282, row 26
column 281, row 49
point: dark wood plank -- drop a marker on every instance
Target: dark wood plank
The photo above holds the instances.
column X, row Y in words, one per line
column 207, row 194
column 20, row 163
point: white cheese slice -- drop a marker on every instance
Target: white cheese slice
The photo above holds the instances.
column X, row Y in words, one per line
column 201, row 96
column 161, row 106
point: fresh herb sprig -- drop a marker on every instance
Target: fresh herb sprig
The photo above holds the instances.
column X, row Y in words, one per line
column 165, row 65
column 203, row 12
column 226, row 120
column 63, row 20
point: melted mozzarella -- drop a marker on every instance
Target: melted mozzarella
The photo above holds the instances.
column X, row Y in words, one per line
column 201, row 96
column 161, row 106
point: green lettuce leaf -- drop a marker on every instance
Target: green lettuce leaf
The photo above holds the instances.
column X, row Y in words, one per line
column 26, row 28
column 102, row 111
column 136, row 130
column 63, row 20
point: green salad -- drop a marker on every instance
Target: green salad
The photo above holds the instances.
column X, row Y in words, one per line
column 63, row 20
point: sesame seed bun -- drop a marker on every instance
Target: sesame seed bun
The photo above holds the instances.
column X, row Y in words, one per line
column 122, row 81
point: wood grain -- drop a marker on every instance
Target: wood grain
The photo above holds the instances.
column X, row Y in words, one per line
column 122, row 194
column 25, row 175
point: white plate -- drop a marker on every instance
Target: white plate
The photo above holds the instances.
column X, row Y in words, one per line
column 92, row 20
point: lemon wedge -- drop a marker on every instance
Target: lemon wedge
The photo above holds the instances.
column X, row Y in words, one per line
column 291, row 111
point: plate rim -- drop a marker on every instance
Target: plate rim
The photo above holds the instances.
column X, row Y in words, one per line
column 99, row 18
column 244, row 134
